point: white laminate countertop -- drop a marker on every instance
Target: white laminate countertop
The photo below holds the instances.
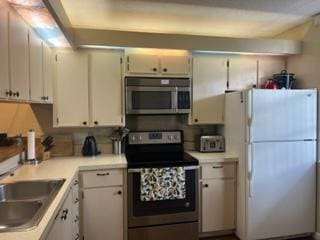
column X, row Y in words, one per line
column 67, row 168
column 213, row 157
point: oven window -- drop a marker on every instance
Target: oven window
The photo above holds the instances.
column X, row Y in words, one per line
column 142, row 208
column 151, row 100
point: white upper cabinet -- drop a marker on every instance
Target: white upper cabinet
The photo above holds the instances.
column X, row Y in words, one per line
column 209, row 85
column 19, row 58
column 175, row 65
column 157, row 65
column 106, row 88
column 71, row 92
column 243, row 72
column 4, row 54
column 48, row 61
column 36, row 68
column 142, row 64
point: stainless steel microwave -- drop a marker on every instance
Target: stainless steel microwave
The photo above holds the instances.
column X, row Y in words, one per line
column 157, row 95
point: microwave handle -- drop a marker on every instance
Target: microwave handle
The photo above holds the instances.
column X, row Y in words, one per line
column 174, row 97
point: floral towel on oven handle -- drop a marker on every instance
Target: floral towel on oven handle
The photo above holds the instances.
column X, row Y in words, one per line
column 158, row 184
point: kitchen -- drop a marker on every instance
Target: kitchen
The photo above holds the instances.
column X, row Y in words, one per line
column 159, row 86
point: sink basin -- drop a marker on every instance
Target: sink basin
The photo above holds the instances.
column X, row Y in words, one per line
column 23, row 204
column 28, row 190
column 18, row 214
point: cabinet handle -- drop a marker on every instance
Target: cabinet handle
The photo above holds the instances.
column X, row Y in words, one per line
column 103, row 174
column 46, row 98
column 76, row 182
column 17, row 93
column 77, row 219
column 119, row 192
column 64, row 214
column 154, row 69
column 205, row 185
column 77, row 237
column 9, row 93
column 43, row 98
column 76, row 201
column 165, row 70
column 218, row 166
column 96, row 122
column 84, row 123
column 196, row 120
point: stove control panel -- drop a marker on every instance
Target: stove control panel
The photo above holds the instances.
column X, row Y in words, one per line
column 174, row 137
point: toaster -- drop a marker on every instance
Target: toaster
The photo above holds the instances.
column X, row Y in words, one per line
column 211, row 144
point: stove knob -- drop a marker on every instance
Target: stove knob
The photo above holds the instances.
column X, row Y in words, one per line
column 176, row 138
column 170, row 137
column 140, row 138
column 133, row 138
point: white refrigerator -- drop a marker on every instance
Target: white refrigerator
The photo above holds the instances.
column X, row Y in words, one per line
column 274, row 134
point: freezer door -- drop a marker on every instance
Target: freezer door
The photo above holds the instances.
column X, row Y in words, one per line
column 281, row 189
column 281, row 115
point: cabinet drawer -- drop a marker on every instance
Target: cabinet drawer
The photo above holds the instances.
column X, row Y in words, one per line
column 102, row 178
column 218, row 170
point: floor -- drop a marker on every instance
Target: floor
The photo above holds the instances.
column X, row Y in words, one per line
column 235, row 238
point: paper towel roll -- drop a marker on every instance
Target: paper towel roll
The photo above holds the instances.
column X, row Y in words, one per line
column 31, row 145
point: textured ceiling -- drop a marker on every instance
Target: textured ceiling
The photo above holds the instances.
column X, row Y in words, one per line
column 231, row 18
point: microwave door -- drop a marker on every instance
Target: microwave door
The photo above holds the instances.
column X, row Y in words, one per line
column 151, row 100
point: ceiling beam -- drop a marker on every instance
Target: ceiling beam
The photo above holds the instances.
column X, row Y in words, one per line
column 59, row 15
column 188, row 42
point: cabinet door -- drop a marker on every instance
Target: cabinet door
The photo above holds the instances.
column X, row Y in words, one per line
column 218, row 205
column 19, row 58
column 47, row 73
column 36, row 80
column 62, row 227
column 209, row 84
column 106, row 89
column 175, row 65
column 71, row 93
column 103, row 213
column 243, row 72
column 143, row 64
column 4, row 54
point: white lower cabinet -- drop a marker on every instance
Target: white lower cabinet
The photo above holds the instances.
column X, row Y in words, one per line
column 66, row 222
column 218, row 197
column 102, row 205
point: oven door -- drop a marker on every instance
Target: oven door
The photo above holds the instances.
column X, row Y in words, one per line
column 151, row 100
column 147, row 213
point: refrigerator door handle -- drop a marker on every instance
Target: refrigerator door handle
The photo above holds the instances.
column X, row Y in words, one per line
column 250, row 170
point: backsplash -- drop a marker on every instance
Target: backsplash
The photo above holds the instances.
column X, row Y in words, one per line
column 18, row 118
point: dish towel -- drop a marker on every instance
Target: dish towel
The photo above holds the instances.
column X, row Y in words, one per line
column 157, row 184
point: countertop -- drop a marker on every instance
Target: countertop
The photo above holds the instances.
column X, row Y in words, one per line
column 66, row 167
column 213, row 157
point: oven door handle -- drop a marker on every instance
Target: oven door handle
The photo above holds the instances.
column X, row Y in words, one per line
column 186, row 168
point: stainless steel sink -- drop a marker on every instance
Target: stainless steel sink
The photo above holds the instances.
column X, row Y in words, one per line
column 23, row 204
column 29, row 190
column 18, row 214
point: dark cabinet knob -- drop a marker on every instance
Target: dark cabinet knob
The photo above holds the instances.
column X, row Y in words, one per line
column 47, row 98
column 165, row 70
column 9, row 93
column 196, row 120
column 119, row 192
column 96, row 122
column 84, row 123
column 17, row 94
column 154, row 69
column 43, row 98
column 206, row 185
column 64, row 214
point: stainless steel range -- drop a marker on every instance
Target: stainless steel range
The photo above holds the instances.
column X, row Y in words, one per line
column 162, row 187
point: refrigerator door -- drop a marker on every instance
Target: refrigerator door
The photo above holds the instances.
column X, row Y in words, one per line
column 281, row 189
column 281, row 115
